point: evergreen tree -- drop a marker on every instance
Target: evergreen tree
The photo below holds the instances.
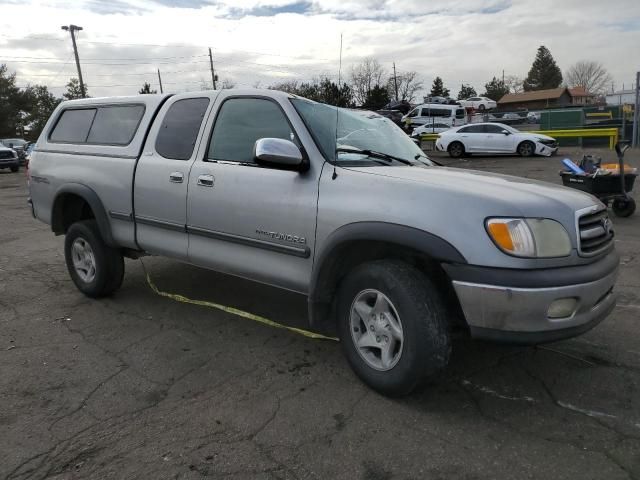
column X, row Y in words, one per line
column 10, row 103
column 377, row 98
column 466, row 91
column 40, row 104
column 74, row 91
column 495, row 89
column 544, row 72
column 146, row 89
column 438, row 89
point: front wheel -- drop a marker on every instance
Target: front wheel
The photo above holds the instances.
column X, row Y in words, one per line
column 15, row 169
column 393, row 326
column 624, row 208
column 96, row 269
column 526, row 149
column 456, row 150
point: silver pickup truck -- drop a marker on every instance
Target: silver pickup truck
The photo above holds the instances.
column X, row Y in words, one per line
column 339, row 205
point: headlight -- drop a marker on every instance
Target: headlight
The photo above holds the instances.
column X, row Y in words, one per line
column 529, row 237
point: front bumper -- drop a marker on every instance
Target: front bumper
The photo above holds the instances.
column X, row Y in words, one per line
column 518, row 314
column 546, row 149
column 9, row 162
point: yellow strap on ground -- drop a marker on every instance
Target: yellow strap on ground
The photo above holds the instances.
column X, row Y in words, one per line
column 233, row 311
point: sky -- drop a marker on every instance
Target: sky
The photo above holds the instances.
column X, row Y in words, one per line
column 262, row 42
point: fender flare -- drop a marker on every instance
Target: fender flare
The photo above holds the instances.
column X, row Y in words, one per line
column 433, row 246
column 92, row 198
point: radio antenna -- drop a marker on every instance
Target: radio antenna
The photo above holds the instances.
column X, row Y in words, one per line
column 335, row 157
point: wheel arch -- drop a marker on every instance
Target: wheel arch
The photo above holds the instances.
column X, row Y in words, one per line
column 356, row 243
column 75, row 201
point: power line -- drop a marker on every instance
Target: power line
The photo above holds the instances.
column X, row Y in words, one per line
column 104, row 59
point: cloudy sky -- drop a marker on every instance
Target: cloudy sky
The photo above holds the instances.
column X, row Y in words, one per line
column 260, row 42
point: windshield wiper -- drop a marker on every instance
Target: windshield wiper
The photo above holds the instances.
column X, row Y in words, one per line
column 374, row 154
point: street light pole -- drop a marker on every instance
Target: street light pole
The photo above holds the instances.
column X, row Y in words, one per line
column 71, row 29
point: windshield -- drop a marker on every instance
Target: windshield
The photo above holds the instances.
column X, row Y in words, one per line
column 357, row 130
column 17, row 142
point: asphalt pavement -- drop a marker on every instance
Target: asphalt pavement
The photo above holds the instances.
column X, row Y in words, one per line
column 140, row 386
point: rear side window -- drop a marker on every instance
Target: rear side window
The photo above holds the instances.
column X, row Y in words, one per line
column 115, row 125
column 101, row 125
column 73, row 126
column 241, row 122
column 472, row 129
column 180, row 126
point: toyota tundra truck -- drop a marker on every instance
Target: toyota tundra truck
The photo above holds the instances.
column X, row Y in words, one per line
column 339, row 205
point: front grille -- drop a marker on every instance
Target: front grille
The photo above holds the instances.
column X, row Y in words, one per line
column 6, row 154
column 595, row 232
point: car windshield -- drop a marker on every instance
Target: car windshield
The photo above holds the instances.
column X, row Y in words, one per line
column 357, row 130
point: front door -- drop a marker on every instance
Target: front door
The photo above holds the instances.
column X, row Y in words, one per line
column 162, row 174
column 245, row 219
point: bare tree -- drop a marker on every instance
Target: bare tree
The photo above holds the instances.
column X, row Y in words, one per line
column 590, row 75
column 408, row 84
column 364, row 77
column 227, row 84
column 513, row 83
column 289, row 86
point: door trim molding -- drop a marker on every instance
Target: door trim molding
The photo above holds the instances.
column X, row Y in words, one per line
column 153, row 222
column 302, row 252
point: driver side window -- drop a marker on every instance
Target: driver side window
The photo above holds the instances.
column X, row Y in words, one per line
column 242, row 121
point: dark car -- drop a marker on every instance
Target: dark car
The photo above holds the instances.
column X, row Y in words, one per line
column 17, row 144
column 9, row 158
column 394, row 115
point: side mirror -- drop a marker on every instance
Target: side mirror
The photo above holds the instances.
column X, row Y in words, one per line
column 278, row 152
column 506, row 132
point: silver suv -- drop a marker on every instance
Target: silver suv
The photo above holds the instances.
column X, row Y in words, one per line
column 340, row 205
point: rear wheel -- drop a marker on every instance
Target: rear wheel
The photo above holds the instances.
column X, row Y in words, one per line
column 96, row 269
column 393, row 326
column 456, row 150
column 526, row 149
column 481, row 107
column 624, row 208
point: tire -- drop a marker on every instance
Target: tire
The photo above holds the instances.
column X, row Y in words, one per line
column 526, row 149
column 481, row 107
column 456, row 150
column 624, row 208
column 410, row 305
column 15, row 169
column 96, row 269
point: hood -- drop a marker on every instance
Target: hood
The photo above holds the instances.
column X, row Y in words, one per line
column 537, row 136
column 528, row 197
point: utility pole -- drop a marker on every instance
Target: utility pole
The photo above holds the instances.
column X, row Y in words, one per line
column 160, row 81
column 395, row 79
column 71, row 29
column 636, row 113
column 213, row 75
column 502, row 76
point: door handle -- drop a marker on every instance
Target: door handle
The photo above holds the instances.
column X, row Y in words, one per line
column 176, row 177
column 205, row 180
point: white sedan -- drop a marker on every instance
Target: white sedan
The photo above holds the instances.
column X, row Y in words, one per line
column 494, row 138
column 478, row 103
column 430, row 128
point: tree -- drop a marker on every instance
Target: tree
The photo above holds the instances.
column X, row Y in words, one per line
column 438, row 89
column 227, row 84
column 513, row 83
column 320, row 89
column 378, row 97
column 592, row 76
column 74, row 91
column 495, row 89
column 146, row 89
column 10, row 103
column 365, row 77
column 544, row 72
column 466, row 91
column 409, row 83
column 40, row 105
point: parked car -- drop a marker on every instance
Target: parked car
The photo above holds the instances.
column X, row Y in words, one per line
column 329, row 203
column 533, row 117
column 494, row 138
column 9, row 158
column 437, row 127
column 430, row 112
column 478, row 103
column 18, row 144
column 394, row 115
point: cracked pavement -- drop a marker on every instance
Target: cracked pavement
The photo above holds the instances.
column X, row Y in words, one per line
column 139, row 386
